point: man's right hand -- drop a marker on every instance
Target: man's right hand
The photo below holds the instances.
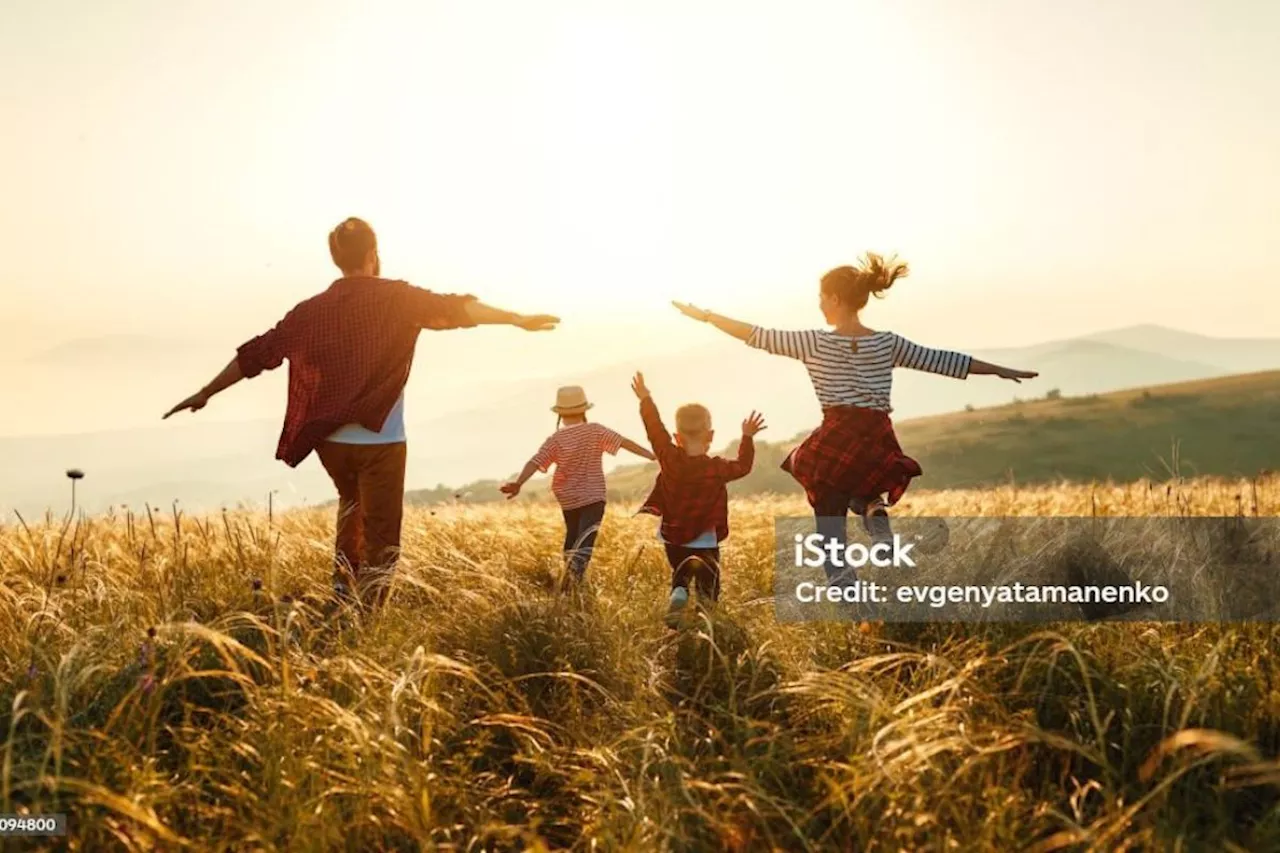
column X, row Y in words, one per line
column 536, row 322
column 194, row 403
column 510, row 489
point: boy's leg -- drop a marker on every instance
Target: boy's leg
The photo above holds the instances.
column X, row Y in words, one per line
column 382, row 497
column 830, row 512
column 349, row 546
column 678, row 559
column 706, row 573
column 589, row 519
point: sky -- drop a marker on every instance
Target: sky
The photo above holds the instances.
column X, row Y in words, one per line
column 171, row 169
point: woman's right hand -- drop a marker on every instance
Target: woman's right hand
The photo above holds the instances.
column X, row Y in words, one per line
column 691, row 311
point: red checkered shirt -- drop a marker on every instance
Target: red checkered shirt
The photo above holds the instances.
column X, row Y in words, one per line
column 690, row 493
column 350, row 349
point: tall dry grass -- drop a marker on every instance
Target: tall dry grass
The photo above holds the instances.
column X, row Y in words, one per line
column 177, row 683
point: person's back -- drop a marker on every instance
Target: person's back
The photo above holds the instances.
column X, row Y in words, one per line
column 350, row 349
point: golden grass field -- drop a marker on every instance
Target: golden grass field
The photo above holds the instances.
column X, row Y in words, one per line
column 171, row 683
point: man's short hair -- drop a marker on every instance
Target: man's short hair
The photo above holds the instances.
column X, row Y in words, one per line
column 350, row 244
column 693, row 420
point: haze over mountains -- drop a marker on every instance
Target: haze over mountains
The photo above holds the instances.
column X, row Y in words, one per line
column 464, row 428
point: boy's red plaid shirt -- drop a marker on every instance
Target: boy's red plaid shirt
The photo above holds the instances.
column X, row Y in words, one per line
column 690, row 493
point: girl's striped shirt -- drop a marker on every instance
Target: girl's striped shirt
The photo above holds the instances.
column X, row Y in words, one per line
column 576, row 452
column 857, row 371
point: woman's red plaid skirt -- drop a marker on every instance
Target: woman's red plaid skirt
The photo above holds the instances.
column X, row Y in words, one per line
column 853, row 452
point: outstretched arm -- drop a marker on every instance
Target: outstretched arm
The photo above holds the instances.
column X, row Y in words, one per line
column 230, row 375
column 487, row 315
column 734, row 328
column 513, row 488
column 631, row 446
column 986, row 369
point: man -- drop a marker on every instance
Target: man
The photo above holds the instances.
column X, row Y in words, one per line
column 350, row 349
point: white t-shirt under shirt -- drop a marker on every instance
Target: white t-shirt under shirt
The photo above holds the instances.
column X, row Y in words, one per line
column 392, row 431
column 576, row 451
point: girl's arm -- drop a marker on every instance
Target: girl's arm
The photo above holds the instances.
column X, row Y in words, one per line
column 631, row 446
column 513, row 488
column 986, row 369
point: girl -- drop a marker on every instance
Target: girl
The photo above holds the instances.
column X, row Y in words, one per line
column 853, row 459
column 576, row 449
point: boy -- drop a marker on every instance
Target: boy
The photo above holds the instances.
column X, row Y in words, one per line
column 690, row 495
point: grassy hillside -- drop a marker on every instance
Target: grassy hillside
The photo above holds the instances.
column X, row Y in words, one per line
column 173, row 686
column 1221, row 427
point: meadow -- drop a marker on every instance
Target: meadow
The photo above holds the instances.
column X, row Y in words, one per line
column 172, row 682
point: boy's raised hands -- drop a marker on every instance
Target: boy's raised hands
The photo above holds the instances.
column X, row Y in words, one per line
column 753, row 424
column 637, row 385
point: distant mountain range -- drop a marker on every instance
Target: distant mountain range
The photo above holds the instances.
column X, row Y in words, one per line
column 206, row 464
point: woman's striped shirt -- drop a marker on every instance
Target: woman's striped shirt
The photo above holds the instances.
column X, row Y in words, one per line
column 857, row 371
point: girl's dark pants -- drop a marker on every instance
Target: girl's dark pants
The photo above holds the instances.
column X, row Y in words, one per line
column 580, row 528
column 699, row 565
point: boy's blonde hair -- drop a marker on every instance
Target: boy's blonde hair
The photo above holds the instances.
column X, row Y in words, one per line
column 693, row 420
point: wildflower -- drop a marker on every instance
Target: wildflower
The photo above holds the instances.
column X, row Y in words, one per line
column 32, row 672
column 147, row 683
column 60, row 580
column 151, row 632
column 257, row 584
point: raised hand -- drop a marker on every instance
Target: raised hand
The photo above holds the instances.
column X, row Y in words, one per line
column 638, row 386
column 194, row 403
column 753, row 424
column 510, row 489
column 537, row 322
column 690, row 311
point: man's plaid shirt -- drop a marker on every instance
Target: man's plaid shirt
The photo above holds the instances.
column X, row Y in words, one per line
column 690, row 493
column 350, row 349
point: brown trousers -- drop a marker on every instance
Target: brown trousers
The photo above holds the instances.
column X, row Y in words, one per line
column 370, row 482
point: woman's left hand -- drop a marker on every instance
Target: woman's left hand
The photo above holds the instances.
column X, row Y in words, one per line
column 1017, row 375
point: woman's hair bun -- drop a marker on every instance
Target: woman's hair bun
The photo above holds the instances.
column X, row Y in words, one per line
column 853, row 285
column 879, row 273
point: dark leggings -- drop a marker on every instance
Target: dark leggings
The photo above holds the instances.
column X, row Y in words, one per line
column 699, row 565
column 831, row 516
column 580, row 528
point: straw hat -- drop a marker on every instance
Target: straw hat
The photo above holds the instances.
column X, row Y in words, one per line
column 570, row 400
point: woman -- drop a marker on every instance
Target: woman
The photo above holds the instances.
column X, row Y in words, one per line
column 853, row 459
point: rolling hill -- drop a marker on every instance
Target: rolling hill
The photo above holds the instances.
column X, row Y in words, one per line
column 1222, row 426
